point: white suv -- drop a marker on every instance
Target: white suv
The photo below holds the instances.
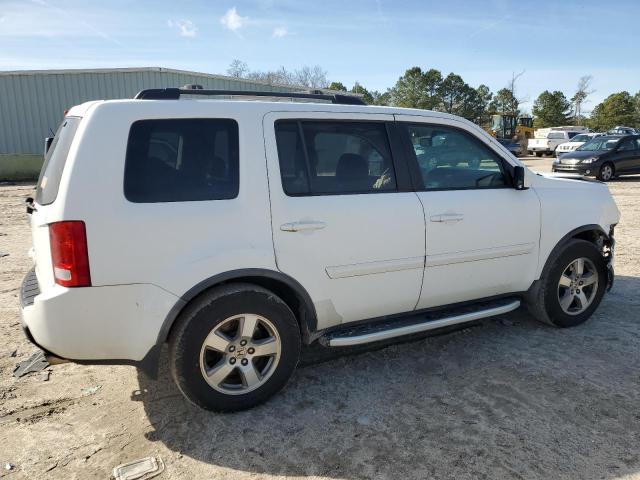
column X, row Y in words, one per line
column 237, row 231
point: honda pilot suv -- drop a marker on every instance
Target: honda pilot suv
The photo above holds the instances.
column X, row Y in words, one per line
column 238, row 230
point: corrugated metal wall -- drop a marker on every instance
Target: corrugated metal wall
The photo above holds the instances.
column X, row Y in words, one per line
column 32, row 104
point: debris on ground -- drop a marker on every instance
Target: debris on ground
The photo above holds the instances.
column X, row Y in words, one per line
column 35, row 363
column 44, row 376
column 8, row 467
column 3, row 254
column 141, row 469
column 91, row 390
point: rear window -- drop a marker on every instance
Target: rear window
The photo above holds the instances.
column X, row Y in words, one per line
column 182, row 160
column 54, row 160
column 555, row 136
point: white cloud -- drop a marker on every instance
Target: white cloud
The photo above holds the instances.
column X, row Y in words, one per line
column 185, row 27
column 232, row 21
column 280, row 32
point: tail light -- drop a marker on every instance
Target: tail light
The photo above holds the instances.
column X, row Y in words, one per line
column 69, row 254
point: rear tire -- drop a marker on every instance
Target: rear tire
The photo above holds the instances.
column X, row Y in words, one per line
column 564, row 297
column 538, row 154
column 234, row 347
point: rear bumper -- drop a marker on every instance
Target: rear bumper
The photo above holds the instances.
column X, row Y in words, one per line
column 113, row 324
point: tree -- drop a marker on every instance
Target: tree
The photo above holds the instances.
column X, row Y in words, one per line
column 312, row 77
column 551, row 109
column 337, row 86
column 504, row 101
column 360, row 90
column 452, row 91
column 432, row 79
column 511, row 86
column 417, row 89
column 381, row 98
column 636, row 101
column 580, row 97
column 409, row 89
column 617, row 109
column 484, row 97
column 238, row 69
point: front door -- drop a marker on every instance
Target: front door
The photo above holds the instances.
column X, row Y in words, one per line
column 342, row 225
column 627, row 156
column 481, row 234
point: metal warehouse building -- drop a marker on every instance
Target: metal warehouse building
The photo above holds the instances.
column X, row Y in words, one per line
column 32, row 103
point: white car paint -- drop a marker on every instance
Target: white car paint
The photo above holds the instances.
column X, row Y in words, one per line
column 357, row 256
column 576, row 142
column 550, row 142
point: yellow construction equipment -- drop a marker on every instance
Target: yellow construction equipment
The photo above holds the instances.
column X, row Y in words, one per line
column 510, row 127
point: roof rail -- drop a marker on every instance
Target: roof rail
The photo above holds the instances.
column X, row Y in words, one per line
column 175, row 93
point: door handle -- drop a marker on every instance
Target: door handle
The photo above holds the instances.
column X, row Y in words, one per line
column 302, row 226
column 447, row 217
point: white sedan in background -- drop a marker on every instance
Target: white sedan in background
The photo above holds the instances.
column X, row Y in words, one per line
column 575, row 142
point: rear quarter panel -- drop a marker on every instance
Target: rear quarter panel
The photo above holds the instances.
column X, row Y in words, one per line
column 174, row 245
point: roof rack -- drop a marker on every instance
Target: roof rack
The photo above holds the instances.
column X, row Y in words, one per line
column 175, row 93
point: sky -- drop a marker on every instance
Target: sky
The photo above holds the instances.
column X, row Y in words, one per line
column 369, row 41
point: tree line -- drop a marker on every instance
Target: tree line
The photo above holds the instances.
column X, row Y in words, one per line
column 431, row 90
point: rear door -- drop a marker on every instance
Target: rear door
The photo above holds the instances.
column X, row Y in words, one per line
column 481, row 234
column 346, row 224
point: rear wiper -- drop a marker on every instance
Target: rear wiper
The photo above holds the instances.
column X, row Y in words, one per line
column 31, row 206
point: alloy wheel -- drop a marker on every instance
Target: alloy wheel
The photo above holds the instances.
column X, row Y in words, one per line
column 577, row 286
column 240, row 354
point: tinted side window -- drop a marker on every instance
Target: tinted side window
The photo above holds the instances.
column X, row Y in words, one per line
column 449, row 158
column 627, row 145
column 326, row 157
column 182, row 160
column 54, row 161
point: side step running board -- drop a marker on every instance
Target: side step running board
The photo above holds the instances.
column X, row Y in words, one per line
column 375, row 336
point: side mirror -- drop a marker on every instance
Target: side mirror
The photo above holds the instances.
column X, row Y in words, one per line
column 519, row 174
column 47, row 144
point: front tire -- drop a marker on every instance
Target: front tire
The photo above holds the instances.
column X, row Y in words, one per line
column 234, row 347
column 606, row 172
column 571, row 286
column 538, row 154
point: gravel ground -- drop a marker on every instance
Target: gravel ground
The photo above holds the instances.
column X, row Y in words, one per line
column 508, row 398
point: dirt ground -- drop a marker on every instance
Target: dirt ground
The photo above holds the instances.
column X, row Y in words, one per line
column 509, row 398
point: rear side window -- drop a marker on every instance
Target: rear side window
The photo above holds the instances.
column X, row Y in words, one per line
column 328, row 157
column 54, row 160
column 181, row 160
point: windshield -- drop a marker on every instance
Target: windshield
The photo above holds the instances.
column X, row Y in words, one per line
column 598, row 144
column 581, row 138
